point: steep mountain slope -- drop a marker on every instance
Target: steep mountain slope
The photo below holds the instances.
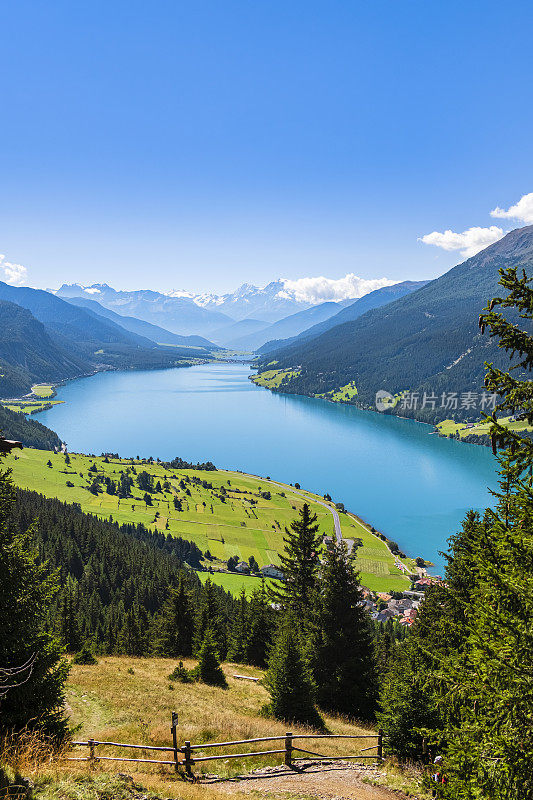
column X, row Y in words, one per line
column 76, row 324
column 138, row 326
column 352, row 310
column 426, row 341
column 177, row 314
column 289, row 326
column 29, row 353
column 14, row 425
column 94, row 342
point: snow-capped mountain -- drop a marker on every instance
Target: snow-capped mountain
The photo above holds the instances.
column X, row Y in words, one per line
column 269, row 303
column 178, row 314
column 283, row 297
column 184, row 312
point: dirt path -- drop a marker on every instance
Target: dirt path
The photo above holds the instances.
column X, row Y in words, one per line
column 323, row 780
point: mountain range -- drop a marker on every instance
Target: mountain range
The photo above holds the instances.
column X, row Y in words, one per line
column 43, row 338
column 426, row 341
column 243, row 320
column 205, row 314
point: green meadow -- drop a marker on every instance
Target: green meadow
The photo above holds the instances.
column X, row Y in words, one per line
column 225, row 513
column 272, row 378
column 43, row 390
column 448, row 426
column 31, row 406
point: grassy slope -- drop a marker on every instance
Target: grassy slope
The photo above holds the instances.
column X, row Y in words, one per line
column 129, row 700
column 272, row 378
column 448, row 426
column 43, row 390
column 234, row 527
column 344, row 393
column 110, row 703
column 31, row 406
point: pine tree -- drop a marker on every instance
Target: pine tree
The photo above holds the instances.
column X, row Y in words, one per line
column 288, row 679
column 343, row 658
column 131, row 640
column 175, row 637
column 261, row 625
column 240, row 631
column 27, row 590
column 210, row 617
column 299, row 563
column 68, row 622
column 209, row 670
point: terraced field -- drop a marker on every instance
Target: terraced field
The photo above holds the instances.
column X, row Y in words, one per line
column 225, row 513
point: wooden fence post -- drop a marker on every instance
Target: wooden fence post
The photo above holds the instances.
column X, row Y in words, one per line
column 92, row 759
column 173, row 727
column 188, row 760
column 380, row 744
column 288, row 749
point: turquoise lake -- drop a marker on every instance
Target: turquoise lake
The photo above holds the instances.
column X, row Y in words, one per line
column 413, row 486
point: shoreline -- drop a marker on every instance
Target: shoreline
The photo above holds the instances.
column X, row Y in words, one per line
column 472, row 437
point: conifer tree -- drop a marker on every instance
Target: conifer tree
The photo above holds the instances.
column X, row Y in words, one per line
column 27, row 590
column 209, row 670
column 210, row 617
column 240, row 631
column 176, row 627
column 288, row 679
column 343, row 658
column 261, row 625
column 131, row 640
column 68, row 623
column 299, row 563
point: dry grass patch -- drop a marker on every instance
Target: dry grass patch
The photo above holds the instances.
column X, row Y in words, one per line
column 131, row 700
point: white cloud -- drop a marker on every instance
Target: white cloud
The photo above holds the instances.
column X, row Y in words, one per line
column 469, row 242
column 15, row 274
column 523, row 210
column 321, row 289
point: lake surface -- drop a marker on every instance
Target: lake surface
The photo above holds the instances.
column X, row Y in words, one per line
column 413, row 486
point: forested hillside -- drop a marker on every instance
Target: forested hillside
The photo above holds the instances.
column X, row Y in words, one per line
column 46, row 339
column 428, row 341
column 354, row 310
column 14, row 425
column 29, row 353
column 115, row 578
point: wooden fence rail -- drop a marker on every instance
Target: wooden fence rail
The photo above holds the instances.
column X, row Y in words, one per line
column 188, row 759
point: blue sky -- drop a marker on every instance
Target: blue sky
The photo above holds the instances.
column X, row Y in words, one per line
column 200, row 145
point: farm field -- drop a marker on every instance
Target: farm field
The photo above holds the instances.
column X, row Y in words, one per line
column 233, row 582
column 448, row 426
column 43, row 390
column 272, row 378
column 224, row 513
column 31, row 406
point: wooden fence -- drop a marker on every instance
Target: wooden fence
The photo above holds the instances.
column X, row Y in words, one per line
column 183, row 757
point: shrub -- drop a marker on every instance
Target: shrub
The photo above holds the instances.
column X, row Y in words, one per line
column 85, row 657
